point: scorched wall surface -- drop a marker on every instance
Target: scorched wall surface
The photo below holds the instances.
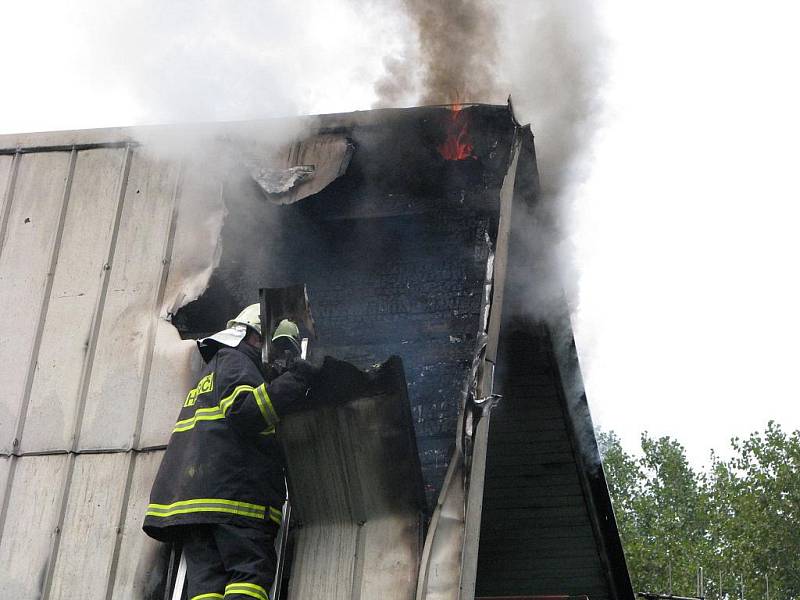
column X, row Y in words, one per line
column 102, row 239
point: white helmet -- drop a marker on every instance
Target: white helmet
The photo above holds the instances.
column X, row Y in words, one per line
column 250, row 316
column 236, row 331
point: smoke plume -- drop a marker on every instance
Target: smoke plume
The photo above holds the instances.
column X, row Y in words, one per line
column 455, row 55
column 554, row 65
column 550, row 57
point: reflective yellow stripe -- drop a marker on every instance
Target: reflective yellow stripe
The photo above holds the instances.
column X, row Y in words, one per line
column 212, row 413
column 202, row 596
column 275, row 515
column 247, row 589
column 210, row 501
column 270, row 408
column 265, row 405
column 226, row 402
column 197, row 505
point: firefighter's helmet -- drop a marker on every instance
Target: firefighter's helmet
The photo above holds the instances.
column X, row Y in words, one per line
column 250, row 317
column 289, row 331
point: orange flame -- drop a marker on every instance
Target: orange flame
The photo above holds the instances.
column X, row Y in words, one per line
column 457, row 144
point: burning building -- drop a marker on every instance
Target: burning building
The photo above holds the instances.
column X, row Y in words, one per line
column 406, row 227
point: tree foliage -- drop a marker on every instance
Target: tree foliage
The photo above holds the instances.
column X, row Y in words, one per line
column 739, row 520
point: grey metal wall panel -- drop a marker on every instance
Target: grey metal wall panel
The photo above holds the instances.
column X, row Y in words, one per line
column 6, row 163
column 380, row 558
column 138, row 566
column 175, row 362
column 28, row 535
column 89, row 531
column 195, row 250
column 124, row 341
column 357, row 485
column 324, row 557
column 88, row 228
column 24, row 263
column 5, row 466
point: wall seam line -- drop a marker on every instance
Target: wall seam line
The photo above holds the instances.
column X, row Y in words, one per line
column 150, row 345
column 12, row 469
column 111, row 579
column 124, row 170
column 8, row 198
column 37, row 341
column 159, row 299
column 51, row 561
column 101, row 299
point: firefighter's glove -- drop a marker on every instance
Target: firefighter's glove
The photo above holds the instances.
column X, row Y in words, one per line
column 305, row 370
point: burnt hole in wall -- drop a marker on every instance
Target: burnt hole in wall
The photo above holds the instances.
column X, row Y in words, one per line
column 394, row 256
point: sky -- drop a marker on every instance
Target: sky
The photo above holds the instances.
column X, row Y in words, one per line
column 667, row 130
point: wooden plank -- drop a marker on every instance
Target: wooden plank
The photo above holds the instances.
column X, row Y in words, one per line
column 24, row 262
column 528, row 423
column 544, row 478
column 536, row 514
column 533, row 530
column 140, row 563
column 88, row 228
column 532, row 523
column 515, row 437
column 532, row 491
column 546, row 586
column 542, row 458
column 530, row 447
column 577, row 546
column 518, row 501
column 29, row 531
column 90, row 527
column 124, row 343
column 534, row 470
column 566, row 567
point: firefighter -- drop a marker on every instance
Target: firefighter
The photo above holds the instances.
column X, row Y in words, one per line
column 220, row 486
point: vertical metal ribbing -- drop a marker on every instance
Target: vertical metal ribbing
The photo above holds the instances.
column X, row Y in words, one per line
column 162, row 286
column 8, row 195
column 87, row 372
column 51, row 561
column 150, row 345
column 12, row 469
column 51, row 272
column 123, row 511
column 101, row 299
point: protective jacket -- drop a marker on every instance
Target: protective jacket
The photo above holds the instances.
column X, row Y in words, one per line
column 223, row 463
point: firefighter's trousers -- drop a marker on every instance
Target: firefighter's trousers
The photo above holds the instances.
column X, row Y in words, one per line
column 230, row 561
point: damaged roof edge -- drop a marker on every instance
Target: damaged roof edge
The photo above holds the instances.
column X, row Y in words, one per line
column 581, row 428
column 11, row 143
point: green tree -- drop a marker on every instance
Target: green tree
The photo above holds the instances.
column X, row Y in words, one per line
column 756, row 513
column 740, row 520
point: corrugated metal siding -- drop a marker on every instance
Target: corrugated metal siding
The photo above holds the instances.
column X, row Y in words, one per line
column 27, row 257
column 125, row 338
column 191, row 235
column 536, row 535
column 30, row 524
column 6, row 175
column 75, row 300
column 83, row 263
column 135, row 569
column 89, row 530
